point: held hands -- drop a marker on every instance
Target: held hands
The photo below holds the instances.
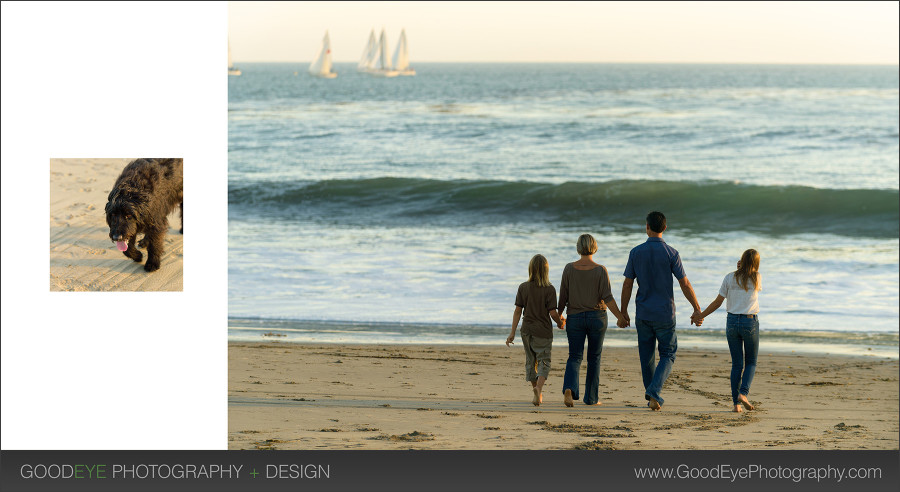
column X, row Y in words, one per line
column 624, row 321
column 562, row 323
column 697, row 318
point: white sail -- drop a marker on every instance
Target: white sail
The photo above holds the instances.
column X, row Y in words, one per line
column 401, row 56
column 231, row 69
column 367, row 61
column 376, row 51
column 383, row 62
column 322, row 66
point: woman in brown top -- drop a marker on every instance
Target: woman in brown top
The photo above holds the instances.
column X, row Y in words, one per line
column 585, row 292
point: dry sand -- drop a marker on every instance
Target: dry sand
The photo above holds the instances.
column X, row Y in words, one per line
column 82, row 257
column 291, row 396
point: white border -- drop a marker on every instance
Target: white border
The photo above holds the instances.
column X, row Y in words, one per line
column 113, row 370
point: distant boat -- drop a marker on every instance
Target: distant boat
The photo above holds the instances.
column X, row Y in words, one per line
column 232, row 70
column 382, row 66
column 322, row 66
column 367, row 61
column 401, row 56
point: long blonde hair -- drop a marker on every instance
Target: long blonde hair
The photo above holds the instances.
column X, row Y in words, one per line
column 748, row 271
column 539, row 271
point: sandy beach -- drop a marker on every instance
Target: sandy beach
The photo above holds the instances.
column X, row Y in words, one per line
column 294, row 396
column 82, row 257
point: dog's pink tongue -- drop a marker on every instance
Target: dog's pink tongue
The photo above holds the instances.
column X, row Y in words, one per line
column 121, row 245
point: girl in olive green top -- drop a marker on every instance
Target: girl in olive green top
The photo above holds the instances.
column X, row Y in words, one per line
column 537, row 298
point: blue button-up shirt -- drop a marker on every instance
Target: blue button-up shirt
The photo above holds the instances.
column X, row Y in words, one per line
column 653, row 264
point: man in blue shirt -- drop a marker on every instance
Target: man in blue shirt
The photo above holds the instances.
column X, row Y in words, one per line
column 653, row 264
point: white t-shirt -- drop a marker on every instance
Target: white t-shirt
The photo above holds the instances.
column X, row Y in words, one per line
column 740, row 301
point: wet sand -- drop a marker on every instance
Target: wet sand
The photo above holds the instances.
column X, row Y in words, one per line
column 295, row 396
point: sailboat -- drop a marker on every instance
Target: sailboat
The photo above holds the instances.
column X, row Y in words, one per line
column 367, row 61
column 232, row 70
column 401, row 56
column 382, row 62
column 322, row 66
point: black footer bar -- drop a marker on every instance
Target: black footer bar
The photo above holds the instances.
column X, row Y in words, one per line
column 456, row 471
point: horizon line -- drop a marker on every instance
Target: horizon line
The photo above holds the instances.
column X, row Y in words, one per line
column 869, row 64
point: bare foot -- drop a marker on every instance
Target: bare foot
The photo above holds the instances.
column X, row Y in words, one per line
column 653, row 404
column 738, row 408
column 594, row 404
column 742, row 399
column 537, row 397
column 568, row 399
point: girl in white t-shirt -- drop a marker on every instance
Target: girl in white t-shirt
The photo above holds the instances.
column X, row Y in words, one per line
column 741, row 287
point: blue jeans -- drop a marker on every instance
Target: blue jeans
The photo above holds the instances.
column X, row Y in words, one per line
column 649, row 333
column 743, row 341
column 590, row 325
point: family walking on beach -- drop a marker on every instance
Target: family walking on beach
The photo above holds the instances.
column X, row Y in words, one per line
column 585, row 294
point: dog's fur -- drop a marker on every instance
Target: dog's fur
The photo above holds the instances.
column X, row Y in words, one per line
column 146, row 192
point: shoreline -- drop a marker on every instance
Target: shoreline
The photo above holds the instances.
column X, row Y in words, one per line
column 330, row 396
column 683, row 346
column 879, row 345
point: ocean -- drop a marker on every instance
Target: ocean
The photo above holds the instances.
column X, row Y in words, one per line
column 405, row 210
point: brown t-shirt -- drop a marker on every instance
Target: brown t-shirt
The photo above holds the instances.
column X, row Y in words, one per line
column 536, row 302
column 584, row 290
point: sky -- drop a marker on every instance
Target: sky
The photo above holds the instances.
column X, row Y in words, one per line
column 611, row 32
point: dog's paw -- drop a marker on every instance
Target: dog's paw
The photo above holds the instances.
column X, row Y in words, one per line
column 134, row 255
column 143, row 242
column 152, row 265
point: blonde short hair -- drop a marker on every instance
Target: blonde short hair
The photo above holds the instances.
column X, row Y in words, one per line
column 539, row 270
column 586, row 245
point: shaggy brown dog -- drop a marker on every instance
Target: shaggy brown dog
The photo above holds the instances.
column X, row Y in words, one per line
column 146, row 192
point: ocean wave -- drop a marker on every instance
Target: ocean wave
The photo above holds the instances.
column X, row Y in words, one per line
column 701, row 206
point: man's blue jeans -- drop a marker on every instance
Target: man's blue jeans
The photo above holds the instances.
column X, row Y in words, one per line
column 651, row 333
column 590, row 325
column 743, row 341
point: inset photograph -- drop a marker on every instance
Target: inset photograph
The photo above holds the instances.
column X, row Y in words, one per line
column 116, row 224
column 564, row 238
